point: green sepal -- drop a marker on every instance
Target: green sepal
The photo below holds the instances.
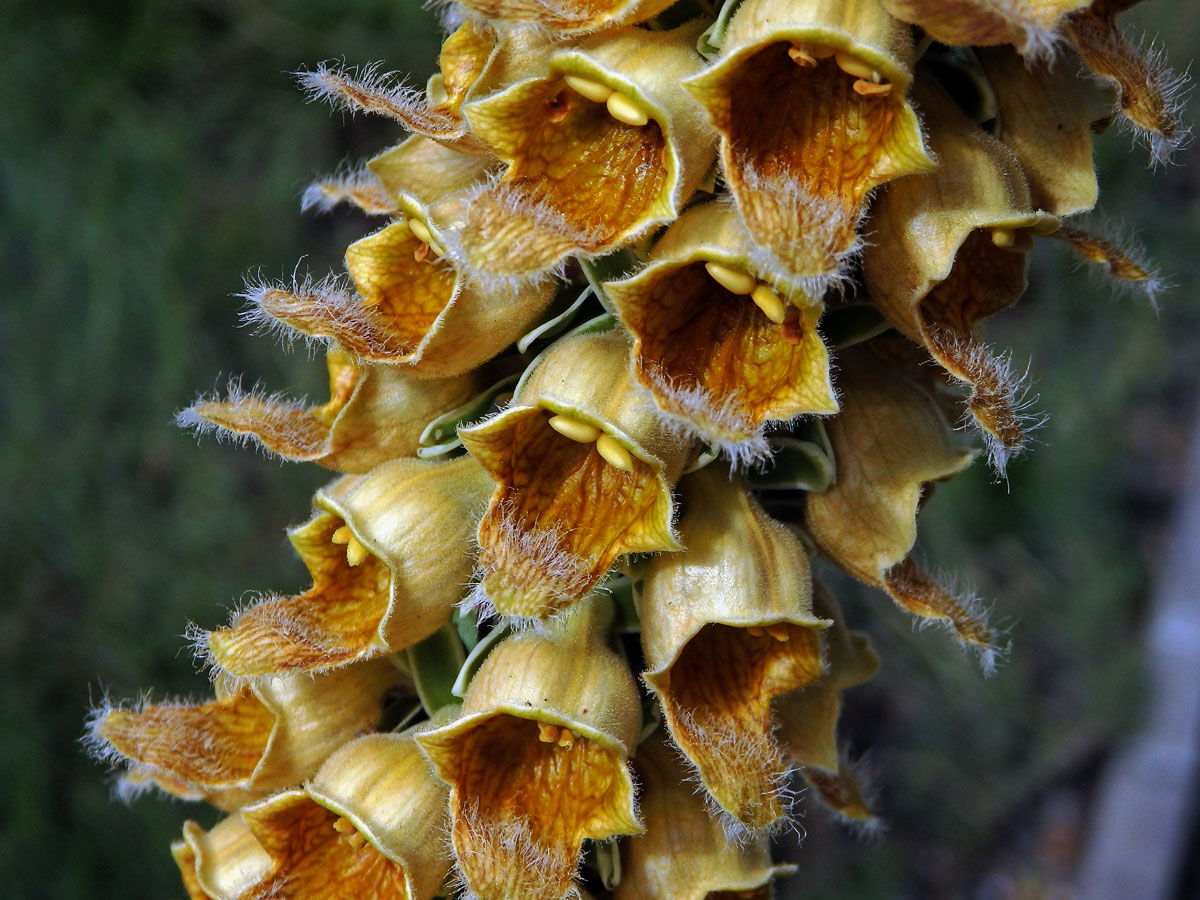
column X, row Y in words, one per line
column 612, row 267
column 802, row 462
column 551, row 327
column 443, row 431
column 475, row 659
column 435, row 664
column 713, row 38
column 601, row 323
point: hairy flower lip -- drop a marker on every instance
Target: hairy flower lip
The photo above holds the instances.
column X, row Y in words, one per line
column 1032, row 27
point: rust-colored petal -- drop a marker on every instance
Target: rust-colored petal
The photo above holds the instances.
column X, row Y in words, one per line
column 580, row 180
column 375, row 413
column 727, row 625
column 830, row 78
column 889, row 441
column 537, row 759
column 1029, row 25
column 717, row 365
column 562, row 513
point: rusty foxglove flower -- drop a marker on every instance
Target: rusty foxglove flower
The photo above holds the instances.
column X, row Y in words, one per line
column 564, row 17
column 1032, row 26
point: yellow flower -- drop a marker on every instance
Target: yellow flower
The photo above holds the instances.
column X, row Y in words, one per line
column 724, row 347
column 583, row 473
column 249, row 741
column 565, row 17
column 809, row 98
column 1029, row 25
column 389, row 554
column 726, row 625
column 537, row 759
column 223, row 863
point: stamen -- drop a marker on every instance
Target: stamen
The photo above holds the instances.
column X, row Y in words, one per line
column 623, row 109
column 344, row 826
column 342, row 536
column 547, row 733
column 566, row 739
column 779, row 631
column 574, row 429
column 732, row 280
column 802, row 57
column 1004, row 237
column 422, row 233
column 355, row 551
column 871, row 89
column 770, row 303
column 593, row 90
column 754, row 630
column 614, row 453
column 852, row 65
column 356, row 840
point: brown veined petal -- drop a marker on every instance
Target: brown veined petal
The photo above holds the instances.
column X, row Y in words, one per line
column 1031, row 26
column 537, row 761
column 948, row 249
column 585, row 175
column 727, row 624
column 1121, row 258
column 1151, row 92
column 389, row 553
column 250, row 740
column 567, row 17
column 563, row 511
column 221, row 863
column 356, row 185
column 718, row 364
column 375, row 413
column 684, row 853
column 1048, row 113
column 889, row 441
column 809, row 98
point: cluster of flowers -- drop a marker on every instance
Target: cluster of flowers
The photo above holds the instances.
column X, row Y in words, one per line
column 590, row 338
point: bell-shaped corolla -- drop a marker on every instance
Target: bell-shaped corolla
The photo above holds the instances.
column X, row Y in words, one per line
column 684, row 853
column 725, row 348
column 1032, row 26
column 251, row 740
column 389, row 553
column 808, row 717
column 726, row 626
column 375, row 413
column 810, row 99
column 223, row 863
column 890, row 441
column 369, row 825
column 950, row 248
column 568, row 17
column 602, row 145
column 583, row 473
column 537, row 761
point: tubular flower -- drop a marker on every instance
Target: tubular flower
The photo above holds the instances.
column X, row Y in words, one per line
column 375, row 413
column 601, row 145
column 948, row 249
column 607, row 253
column 583, row 473
column 389, row 553
column 724, row 347
column 250, row 740
column 685, row 854
column 537, row 759
column 726, row 625
column 808, row 717
column 831, row 78
column 889, row 441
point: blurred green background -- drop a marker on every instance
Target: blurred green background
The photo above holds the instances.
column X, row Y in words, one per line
column 153, row 153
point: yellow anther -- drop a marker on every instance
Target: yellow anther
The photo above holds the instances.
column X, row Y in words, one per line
column 770, row 303
column 566, row 739
column 1004, row 237
column 593, row 90
column 779, row 631
column 356, row 840
column 802, row 57
column 343, row 535
column 754, row 631
column 422, row 233
column 623, row 109
column 342, row 825
column 614, row 453
column 547, row 733
column 852, row 65
column 870, row 88
column 355, row 551
column 574, row 429
column 733, row 280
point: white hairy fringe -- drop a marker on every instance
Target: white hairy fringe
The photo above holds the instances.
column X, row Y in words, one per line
column 275, row 407
column 333, row 83
column 719, row 417
column 547, row 221
column 344, row 185
column 868, row 831
column 515, row 839
column 1173, row 89
column 453, row 14
column 816, row 212
column 1127, row 242
column 735, row 745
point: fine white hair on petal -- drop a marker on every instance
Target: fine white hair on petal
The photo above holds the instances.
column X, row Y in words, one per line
column 1116, row 237
column 272, row 411
column 350, row 183
column 363, row 89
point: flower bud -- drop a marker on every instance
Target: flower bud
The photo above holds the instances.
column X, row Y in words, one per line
column 375, row 413
column 830, row 77
column 537, row 760
column 718, row 364
column 684, row 853
column 566, row 507
column 250, row 740
column 726, row 625
column 389, row 553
